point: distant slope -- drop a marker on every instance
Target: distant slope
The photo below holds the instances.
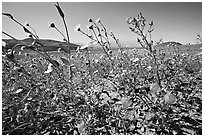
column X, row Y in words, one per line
column 195, row 47
column 166, row 44
column 50, row 45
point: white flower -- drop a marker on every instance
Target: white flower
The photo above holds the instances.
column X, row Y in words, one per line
column 78, row 28
column 19, row 53
column 102, row 56
column 23, row 47
column 135, row 60
column 19, row 90
column 129, row 20
column 49, row 68
column 95, row 72
column 97, row 60
column 149, row 68
column 3, row 44
column 98, row 20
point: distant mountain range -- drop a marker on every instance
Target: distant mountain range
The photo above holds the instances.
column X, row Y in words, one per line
column 49, row 45
column 53, row 45
column 196, row 47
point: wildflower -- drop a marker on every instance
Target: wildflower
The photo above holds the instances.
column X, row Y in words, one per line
column 19, row 53
column 26, row 54
column 3, row 44
column 19, row 90
column 95, row 72
column 169, row 98
column 23, row 47
column 59, row 50
column 87, row 62
column 129, row 20
column 119, row 50
column 102, row 56
column 90, row 36
column 99, row 35
column 78, row 27
column 77, row 50
column 90, row 27
column 110, row 52
column 98, row 20
column 124, row 71
column 149, row 68
column 154, row 88
column 27, row 107
column 135, row 60
column 52, row 25
column 124, row 52
column 30, row 36
column 49, row 68
column 97, row 60
column 151, row 23
column 90, row 20
column 26, row 24
column 72, row 57
column 111, row 33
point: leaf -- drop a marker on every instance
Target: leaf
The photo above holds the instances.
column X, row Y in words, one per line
column 60, row 10
column 66, row 62
column 154, row 88
column 8, row 15
column 126, row 102
column 19, row 91
column 55, row 63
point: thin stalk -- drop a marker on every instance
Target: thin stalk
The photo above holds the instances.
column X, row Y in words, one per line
column 61, row 33
column 154, row 57
column 8, row 35
column 66, row 28
column 34, row 31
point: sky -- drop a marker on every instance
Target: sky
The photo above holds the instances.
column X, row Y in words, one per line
column 173, row 21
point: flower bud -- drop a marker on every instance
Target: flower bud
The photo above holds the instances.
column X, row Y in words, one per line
column 52, row 25
column 90, row 20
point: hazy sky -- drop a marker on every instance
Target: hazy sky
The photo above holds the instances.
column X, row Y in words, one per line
column 179, row 22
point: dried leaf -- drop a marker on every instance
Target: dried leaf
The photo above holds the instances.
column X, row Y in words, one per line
column 60, row 11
